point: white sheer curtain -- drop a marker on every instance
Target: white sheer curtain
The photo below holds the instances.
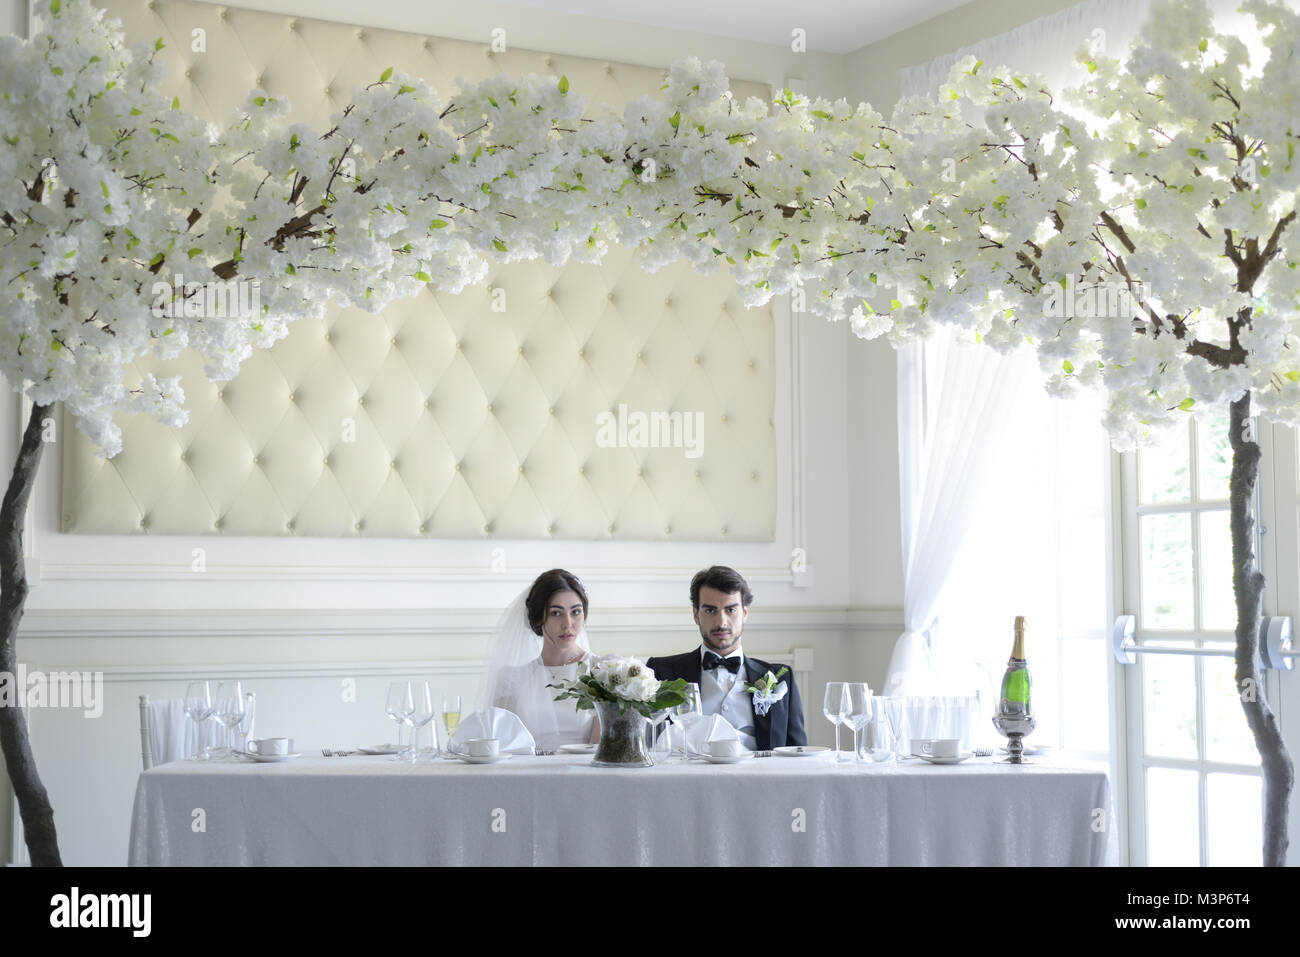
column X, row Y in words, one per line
column 955, row 402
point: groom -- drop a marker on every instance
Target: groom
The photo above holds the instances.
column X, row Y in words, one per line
column 721, row 598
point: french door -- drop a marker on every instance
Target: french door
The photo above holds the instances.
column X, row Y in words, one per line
column 1193, row 784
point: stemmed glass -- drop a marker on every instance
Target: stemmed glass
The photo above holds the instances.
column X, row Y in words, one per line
column 685, row 715
column 835, row 706
column 421, row 714
column 400, row 707
column 880, row 750
column 859, row 712
column 198, row 708
column 450, row 718
column 231, row 707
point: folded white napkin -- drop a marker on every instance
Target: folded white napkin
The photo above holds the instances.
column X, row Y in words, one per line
column 711, row 727
column 497, row 723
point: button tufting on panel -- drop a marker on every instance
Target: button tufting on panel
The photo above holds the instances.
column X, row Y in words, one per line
column 640, row 355
column 640, row 473
column 424, row 527
column 261, row 79
column 699, row 359
column 289, row 525
column 668, row 529
column 457, row 466
column 459, row 345
column 521, row 470
column 144, row 521
column 668, row 302
column 724, row 530
column 357, row 526
column 293, row 396
column 427, row 45
column 521, row 350
column 487, row 529
column 188, row 74
column 185, row 456
column 550, row 529
column 393, row 465
column 697, row 473
column 426, row 403
column 217, row 523
column 393, row 341
column 361, row 35
column 551, row 411
column 609, row 70
column 582, row 470
column 491, row 409
column 328, row 337
column 754, row 476
column 293, row 24
column 724, row 417
column 611, row 530
column 548, row 61
column 257, row 460
column 224, row 14
column 753, row 364
column 328, row 460
column 361, row 400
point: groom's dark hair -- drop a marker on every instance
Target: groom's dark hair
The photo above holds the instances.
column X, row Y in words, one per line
column 724, row 579
column 547, row 584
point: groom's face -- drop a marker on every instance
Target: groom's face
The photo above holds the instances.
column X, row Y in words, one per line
column 721, row 618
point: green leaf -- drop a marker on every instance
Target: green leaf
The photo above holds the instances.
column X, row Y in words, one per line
column 56, row 345
column 289, row 270
column 499, row 245
column 405, row 89
column 1187, row 404
column 1140, row 203
column 675, row 119
column 386, row 75
column 259, row 100
column 1068, row 366
column 176, row 102
column 1293, row 376
column 55, row 7
column 1203, row 45
column 158, row 44
column 423, row 276
column 822, row 115
column 438, row 224
column 195, row 252
column 563, row 86
column 104, row 186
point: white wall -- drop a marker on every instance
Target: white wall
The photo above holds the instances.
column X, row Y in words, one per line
column 296, row 618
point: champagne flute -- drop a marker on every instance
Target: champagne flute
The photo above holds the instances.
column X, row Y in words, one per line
column 230, row 708
column 859, row 712
column 894, row 714
column 198, row 708
column 835, row 706
column 400, row 706
column 450, row 717
column 422, row 713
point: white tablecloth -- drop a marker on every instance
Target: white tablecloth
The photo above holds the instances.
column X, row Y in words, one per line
column 362, row 810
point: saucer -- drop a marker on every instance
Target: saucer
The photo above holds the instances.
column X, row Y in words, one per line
column 485, row 759
column 799, row 750
column 381, row 749
column 957, row 760
column 271, row 758
column 727, row 758
column 578, row 748
column 1030, row 749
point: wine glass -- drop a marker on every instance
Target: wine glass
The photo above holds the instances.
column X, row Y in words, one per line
column 894, row 714
column 835, row 706
column 879, row 744
column 686, row 714
column 198, row 708
column 231, row 707
column 422, row 713
column 858, row 713
column 400, row 706
column 450, row 717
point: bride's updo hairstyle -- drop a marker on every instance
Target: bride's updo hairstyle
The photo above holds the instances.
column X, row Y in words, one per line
column 547, row 584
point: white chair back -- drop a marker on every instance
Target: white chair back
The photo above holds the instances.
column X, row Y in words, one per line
column 167, row 734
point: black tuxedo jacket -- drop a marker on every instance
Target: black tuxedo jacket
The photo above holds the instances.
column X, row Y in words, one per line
column 783, row 723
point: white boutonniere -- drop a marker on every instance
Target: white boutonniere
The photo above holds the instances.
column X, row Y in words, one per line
column 768, row 690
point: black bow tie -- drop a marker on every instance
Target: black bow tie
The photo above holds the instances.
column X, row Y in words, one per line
column 712, row 661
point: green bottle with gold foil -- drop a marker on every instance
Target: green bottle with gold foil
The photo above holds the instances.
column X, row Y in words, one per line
column 1016, row 682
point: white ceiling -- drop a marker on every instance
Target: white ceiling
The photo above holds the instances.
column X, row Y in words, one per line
column 831, row 26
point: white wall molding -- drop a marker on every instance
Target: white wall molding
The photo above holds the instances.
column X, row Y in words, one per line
column 109, row 624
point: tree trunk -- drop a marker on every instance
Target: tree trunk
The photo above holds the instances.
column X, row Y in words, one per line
column 1248, row 588
column 33, row 802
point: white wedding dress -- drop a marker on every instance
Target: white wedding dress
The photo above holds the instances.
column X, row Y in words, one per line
column 516, row 679
column 551, row 723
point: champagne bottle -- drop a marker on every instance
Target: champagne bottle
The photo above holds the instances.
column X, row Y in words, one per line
column 1016, row 683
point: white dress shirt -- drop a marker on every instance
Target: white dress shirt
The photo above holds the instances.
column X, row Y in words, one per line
column 723, row 693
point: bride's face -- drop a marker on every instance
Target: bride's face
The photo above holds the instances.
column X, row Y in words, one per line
column 563, row 621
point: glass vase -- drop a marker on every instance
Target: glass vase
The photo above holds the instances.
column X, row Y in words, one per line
column 622, row 738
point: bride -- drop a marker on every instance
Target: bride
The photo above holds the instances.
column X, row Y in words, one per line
column 540, row 640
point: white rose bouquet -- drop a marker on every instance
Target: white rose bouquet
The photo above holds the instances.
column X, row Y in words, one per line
column 625, row 681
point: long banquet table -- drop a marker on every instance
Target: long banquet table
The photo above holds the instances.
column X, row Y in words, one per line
column 558, row 810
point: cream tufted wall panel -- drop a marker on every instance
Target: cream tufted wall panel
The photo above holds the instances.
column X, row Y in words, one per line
column 442, row 417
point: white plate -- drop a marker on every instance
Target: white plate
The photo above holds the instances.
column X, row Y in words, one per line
column 727, row 758
column 486, row 759
column 271, row 758
column 799, row 750
column 957, row 760
column 578, row 748
column 381, row 749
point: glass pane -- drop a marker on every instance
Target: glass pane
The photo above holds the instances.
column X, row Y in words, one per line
column 1218, row 607
column 1214, row 457
column 1164, row 474
column 1173, row 818
column 1085, row 711
column 1166, row 549
column 1169, row 703
column 1227, row 736
column 1235, row 822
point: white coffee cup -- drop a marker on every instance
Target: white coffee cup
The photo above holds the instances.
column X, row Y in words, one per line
column 271, row 746
column 729, row 748
column 921, row 745
column 944, row 748
column 484, row 747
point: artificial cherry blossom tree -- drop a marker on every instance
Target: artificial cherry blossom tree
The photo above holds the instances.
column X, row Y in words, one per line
column 1169, row 177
